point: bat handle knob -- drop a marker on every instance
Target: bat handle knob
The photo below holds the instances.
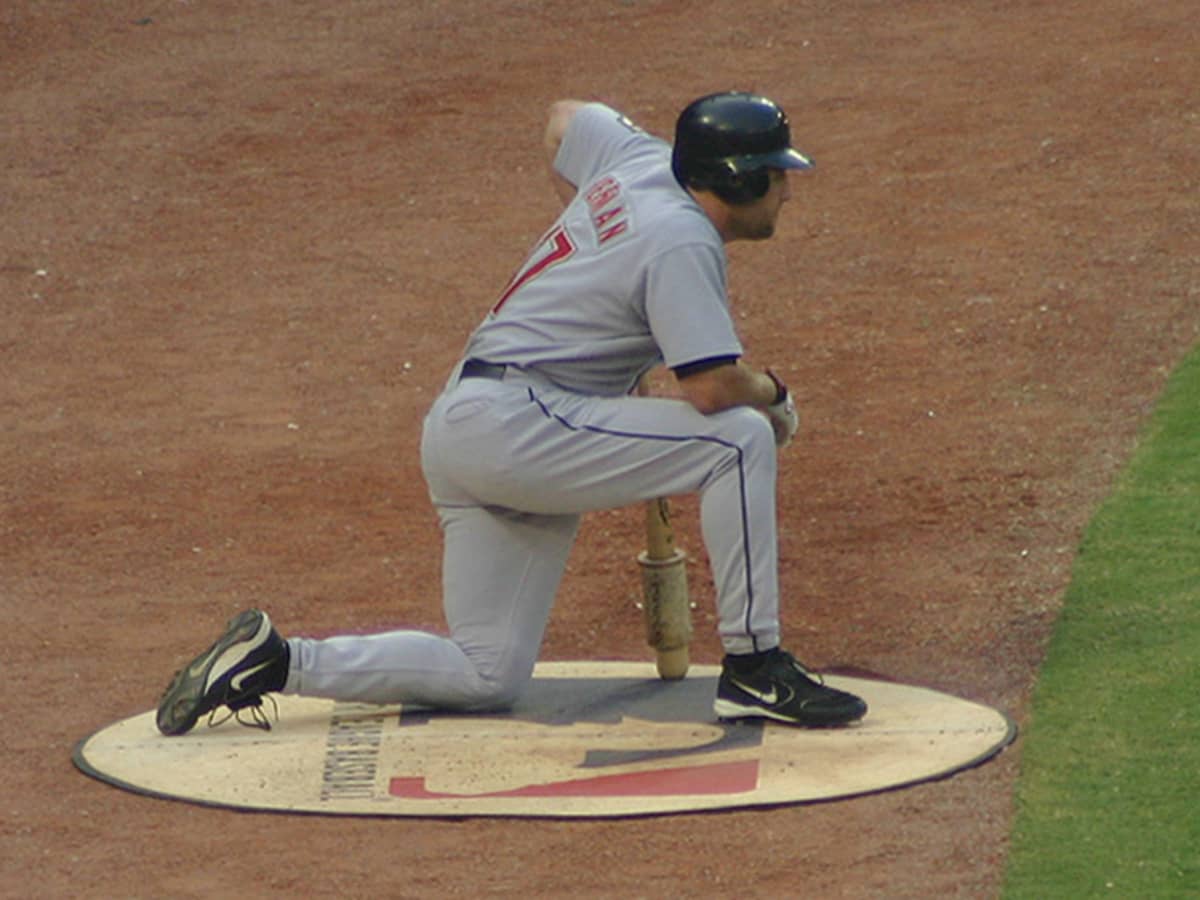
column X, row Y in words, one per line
column 672, row 664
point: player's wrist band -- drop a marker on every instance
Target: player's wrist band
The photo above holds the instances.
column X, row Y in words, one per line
column 781, row 390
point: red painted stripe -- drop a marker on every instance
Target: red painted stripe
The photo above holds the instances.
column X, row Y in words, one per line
column 719, row 778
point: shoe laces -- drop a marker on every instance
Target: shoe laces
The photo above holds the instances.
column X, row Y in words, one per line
column 254, row 714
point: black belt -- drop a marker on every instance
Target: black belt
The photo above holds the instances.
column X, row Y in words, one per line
column 480, row 368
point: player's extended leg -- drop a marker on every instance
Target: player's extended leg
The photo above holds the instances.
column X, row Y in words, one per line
column 501, row 571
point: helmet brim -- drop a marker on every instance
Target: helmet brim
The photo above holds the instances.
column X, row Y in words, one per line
column 787, row 158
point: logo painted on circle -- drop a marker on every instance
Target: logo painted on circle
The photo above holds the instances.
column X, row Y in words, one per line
column 586, row 739
column 579, row 737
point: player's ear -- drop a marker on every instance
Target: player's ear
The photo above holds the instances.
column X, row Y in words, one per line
column 746, row 187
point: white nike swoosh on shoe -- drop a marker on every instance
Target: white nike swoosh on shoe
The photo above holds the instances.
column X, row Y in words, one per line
column 197, row 668
column 762, row 696
column 234, row 654
column 236, row 682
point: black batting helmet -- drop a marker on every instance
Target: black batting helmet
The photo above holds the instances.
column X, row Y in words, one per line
column 725, row 143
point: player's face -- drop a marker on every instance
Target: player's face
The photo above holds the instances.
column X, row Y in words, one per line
column 756, row 221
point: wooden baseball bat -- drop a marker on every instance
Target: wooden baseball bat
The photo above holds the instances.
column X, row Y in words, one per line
column 665, row 606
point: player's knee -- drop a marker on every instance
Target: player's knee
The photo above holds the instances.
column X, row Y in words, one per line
column 494, row 696
column 751, row 431
column 497, row 687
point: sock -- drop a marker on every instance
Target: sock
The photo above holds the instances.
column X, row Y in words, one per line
column 275, row 677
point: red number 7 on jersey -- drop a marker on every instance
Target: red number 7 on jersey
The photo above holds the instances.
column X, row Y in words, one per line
column 552, row 249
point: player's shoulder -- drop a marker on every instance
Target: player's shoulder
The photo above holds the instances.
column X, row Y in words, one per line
column 603, row 115
column 598, row 124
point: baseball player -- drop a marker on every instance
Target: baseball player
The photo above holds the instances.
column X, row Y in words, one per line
column 539, row 423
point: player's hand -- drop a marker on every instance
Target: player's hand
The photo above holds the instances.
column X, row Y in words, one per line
column 782, row 413
column 785, row 420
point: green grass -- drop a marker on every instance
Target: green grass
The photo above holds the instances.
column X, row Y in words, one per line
column 1108, row 801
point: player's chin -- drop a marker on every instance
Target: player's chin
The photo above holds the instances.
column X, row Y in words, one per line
column 762, row 232
column 766, row 227
column 755, row 228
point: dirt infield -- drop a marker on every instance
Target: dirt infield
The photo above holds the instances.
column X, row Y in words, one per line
column 242, row 244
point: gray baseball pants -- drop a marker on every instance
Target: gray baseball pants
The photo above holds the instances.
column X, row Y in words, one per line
column 511, row 464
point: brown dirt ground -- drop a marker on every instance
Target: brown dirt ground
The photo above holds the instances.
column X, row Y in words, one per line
column 241, row 244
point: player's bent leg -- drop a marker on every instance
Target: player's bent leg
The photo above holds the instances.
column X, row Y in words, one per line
column 738, row 523
column 548, row 451
column 570, row 453
column 730, row 459
column 663, row 448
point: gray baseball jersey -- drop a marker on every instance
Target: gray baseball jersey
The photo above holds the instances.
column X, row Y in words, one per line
column 631, row 275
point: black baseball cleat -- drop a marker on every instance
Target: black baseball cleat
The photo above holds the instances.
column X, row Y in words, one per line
column 247, row 661
column 773, row 685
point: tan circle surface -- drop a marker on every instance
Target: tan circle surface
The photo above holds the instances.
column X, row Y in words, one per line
column 587, row 740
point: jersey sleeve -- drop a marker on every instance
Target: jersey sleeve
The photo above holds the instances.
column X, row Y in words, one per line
column 687, row 307
column 596, row 138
